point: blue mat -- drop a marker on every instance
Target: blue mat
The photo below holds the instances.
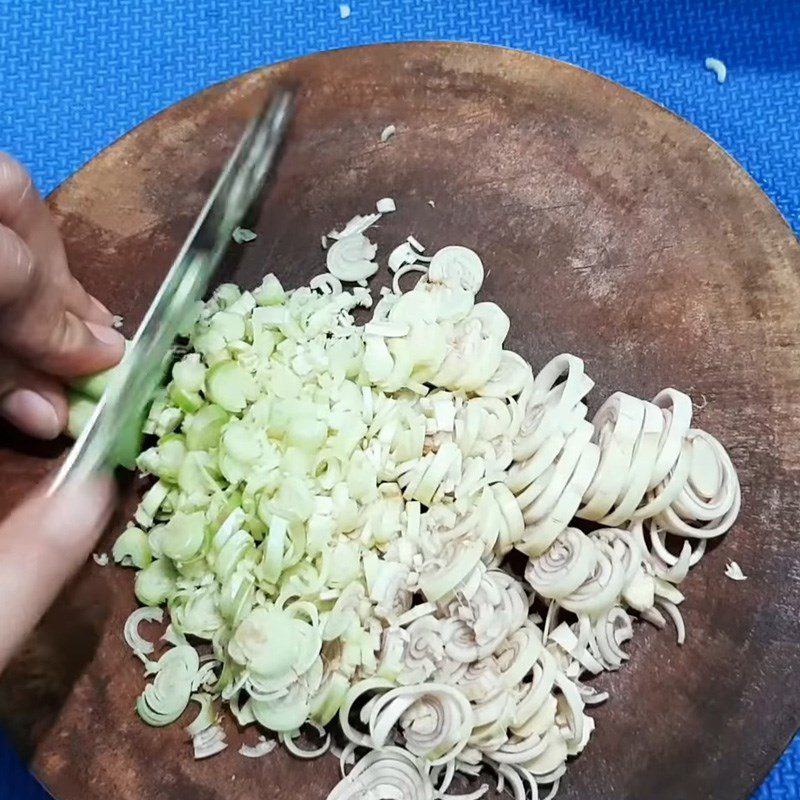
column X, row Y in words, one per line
column 76, row 74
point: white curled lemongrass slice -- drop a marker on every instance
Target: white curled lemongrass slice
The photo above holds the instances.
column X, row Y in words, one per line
column 289, row 742
column 677, row 410
column 564, row 566
column 390, row 773
column 350, row 258
column 164, row 700
column 618, row 425
column 602, row 588
column 540, row 534
column 510, row 378
column 134, row 640
column 206, row 716
column 694, row 515
column 209, row 742
column 457, row 267
column 643, row 459
column 261, row 748
column 436, row 720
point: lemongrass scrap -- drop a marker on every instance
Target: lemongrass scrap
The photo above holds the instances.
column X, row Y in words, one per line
column 718, row 68
column 734, row 572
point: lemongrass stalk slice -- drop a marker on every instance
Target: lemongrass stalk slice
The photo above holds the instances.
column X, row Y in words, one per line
column 734, row 572
column 131, row 631
column 262, row 748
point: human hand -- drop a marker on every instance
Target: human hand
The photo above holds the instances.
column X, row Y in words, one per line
column 43, row 542
column 50, row 327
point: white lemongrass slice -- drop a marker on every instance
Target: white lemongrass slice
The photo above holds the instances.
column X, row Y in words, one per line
column 554, row 756
column 358, row 224
column 510, row 378
column 673, row 612
column 644, row 456
column 387, row 328
column 576, row 384
column 289, row 743
column 457, row 267
column 618, row 424
column 712, row 484
column 564, row 468
column 209, row 742
column 326, row 283
column 521, row 474
column 494, row 322
column 131, row 631
column 262, row 748
column 540, row 534
column 734, row 572
column 386, row 205
column 406, row 269
column 388, row 772
column 351, row 258
column 388, row 132
column 436, row 719
column 515, row 524
column 677, row 408
column 665, row 493
column 602, row 588
column 564, row 566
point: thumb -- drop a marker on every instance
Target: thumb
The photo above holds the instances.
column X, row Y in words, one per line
column 43, row 542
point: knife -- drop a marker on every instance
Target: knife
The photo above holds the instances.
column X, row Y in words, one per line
column 113, row 433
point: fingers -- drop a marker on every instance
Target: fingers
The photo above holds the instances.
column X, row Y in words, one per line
column 33, row 402
column 46, row 316
column 42, row 544
column 35, row 325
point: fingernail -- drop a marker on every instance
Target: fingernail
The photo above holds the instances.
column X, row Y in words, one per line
column 107, row 336
column 31, row 412
column 100, row 305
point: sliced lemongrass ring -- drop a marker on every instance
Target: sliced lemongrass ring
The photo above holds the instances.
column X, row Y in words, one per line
column 644, row 456
column 539, row 536
column 618, row 424
column 522, row 473
column 509, row 379
column 564, row 467
column 677, row 409
column 667, row 492
column 529, row 494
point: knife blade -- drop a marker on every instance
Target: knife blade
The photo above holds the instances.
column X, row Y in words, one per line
column 113, row 432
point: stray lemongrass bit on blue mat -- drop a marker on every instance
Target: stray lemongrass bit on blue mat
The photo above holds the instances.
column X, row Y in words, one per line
column 344, row 10
column 718, row 68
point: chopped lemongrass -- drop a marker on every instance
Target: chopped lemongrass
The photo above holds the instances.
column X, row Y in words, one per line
column 718, row 68
column 734, row 572
column 386, row 205
column 333, row 504
column 242, row 235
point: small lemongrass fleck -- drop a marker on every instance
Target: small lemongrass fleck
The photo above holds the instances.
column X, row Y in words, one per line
column 734, row 572
column 718, row 68
column 242, row 235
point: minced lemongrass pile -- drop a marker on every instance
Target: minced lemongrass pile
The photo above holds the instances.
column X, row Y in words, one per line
column 333, row 513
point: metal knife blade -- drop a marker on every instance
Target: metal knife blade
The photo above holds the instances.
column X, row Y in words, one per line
column 112, row 433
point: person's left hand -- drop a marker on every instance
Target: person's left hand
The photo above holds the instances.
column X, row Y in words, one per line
column 50, row 327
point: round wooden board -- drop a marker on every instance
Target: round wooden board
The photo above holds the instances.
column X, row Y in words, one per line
column 611, row 229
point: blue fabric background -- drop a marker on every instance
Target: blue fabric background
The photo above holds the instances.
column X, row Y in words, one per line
column 76, row 74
